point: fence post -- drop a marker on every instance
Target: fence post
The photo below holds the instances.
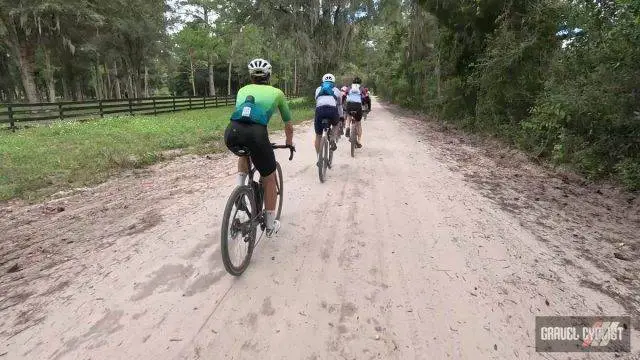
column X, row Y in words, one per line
column 12, row 125
column 204, row 102
column 174, row 103
column 130, row 108
column 101, row 110
column 60, row 111
column 154, row 107
column 189, row 102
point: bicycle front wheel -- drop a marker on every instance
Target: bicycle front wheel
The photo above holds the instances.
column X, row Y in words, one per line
column 238, row 236
column 279, row 190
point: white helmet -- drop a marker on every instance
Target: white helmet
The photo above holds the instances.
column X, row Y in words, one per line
column 329, row 77
column 259, row 68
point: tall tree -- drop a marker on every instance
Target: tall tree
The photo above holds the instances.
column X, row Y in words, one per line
column 24, row 24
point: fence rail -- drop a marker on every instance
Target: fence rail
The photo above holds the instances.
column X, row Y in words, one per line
column 13, row 114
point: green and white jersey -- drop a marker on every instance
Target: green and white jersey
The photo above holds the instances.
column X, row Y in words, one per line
column 257, row 103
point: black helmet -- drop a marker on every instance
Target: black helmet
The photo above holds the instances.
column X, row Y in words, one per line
column 357, row 80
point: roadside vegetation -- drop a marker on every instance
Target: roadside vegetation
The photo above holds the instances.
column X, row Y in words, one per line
column 558, row 79
column 42, row 160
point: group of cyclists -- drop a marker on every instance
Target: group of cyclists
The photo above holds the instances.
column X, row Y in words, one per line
column 257, row 102
column 336, row 105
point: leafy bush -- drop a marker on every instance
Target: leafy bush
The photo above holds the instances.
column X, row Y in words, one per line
column 559, row 79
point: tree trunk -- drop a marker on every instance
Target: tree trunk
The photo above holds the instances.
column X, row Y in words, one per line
column 117, row 80
column 146, row 81
column 137, row 82
column 286, row 89
column 193, row 77
column 105, row 89
column 295, row 76
column 26, row 61
column 108, row 93
column 233, row 43
column 212, row 85
column 65, row 89
column 229, row 79
column 97, row 84
column 78, row 84
column 51, row 84
column 130, row 90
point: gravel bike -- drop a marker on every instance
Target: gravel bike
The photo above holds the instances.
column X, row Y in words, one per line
column 325, row 158
column 353, row 137
column 245, row 214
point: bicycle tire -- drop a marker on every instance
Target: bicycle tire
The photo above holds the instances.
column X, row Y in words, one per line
column 322, row 169
column 279, row 190
column 237, row 193
column 330, row 159
column 326, row 155
column 353, row 139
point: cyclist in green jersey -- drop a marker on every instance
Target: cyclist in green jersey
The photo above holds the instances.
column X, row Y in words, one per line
column 255, row 104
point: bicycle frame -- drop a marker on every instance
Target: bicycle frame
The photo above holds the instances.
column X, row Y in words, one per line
column 259, row 195
column 326, row 130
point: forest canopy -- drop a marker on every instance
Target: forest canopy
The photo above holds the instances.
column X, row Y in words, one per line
column 52, row 50
column 558, row 78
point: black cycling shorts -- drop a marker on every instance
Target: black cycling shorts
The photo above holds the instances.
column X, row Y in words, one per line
column 357, row 107
column 325, row 112
column 255, row 138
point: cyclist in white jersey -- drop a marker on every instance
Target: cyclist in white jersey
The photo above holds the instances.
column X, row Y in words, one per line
column 354, row 104
column 328, row 106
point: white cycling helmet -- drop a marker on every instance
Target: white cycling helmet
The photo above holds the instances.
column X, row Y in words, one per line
column 329, row 77
column 259, row 68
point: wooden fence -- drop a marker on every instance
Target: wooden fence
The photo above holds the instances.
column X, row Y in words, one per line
column 14, row 114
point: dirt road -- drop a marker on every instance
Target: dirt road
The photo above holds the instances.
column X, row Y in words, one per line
column 427, row 245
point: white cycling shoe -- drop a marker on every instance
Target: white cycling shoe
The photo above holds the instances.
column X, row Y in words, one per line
column 276, row 228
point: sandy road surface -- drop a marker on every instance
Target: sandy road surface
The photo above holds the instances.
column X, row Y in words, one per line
column 422, row 247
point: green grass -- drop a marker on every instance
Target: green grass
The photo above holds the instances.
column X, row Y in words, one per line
column 39, row 161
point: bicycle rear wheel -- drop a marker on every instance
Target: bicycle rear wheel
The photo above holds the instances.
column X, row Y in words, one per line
column 322, row 168
column 353, row 138
column 238, row 230
column 279, row 190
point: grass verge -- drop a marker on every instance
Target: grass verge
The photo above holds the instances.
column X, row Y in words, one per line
column 39, row 161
